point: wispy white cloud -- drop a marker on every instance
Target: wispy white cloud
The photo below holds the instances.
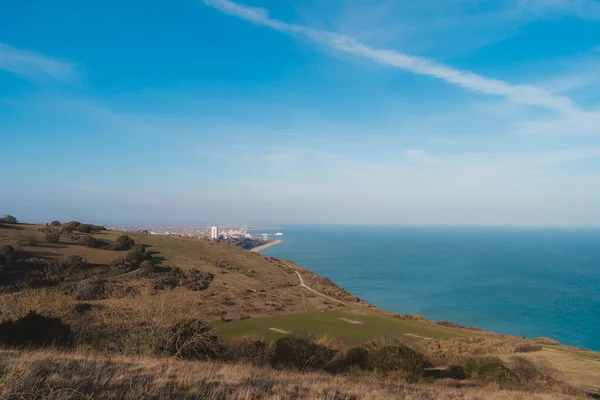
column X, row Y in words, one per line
column 33, row 66
column 522, row 94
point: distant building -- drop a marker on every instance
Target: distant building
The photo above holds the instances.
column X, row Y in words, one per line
column 214, row 233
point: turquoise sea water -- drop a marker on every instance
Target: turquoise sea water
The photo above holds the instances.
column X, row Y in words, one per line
column 524, row 281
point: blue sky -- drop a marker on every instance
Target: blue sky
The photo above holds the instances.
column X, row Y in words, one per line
column 305, row 111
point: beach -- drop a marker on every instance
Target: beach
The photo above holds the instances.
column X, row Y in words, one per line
column 266, row 246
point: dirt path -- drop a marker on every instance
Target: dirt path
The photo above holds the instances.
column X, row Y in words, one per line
column 302, row 284
column 417, row 336
column 351, row 321
column 280, row 331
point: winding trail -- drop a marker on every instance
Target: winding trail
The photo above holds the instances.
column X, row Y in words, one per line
column 303, row 285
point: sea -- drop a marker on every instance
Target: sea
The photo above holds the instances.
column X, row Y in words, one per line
column 524, row 281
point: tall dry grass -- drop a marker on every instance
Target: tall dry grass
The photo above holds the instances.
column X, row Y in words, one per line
column 84, row 374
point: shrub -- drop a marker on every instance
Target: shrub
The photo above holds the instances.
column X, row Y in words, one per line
column 137, row 255
column 358, row 357
column 84, row 228
column 54, row 223
column 35, row 330
column 9, row 219
column 91, row 290
column 52, row 236
column 530, row 371
column 193, row 339
column 397, row 358
column 247, row 349
column 75, row 262
column 148, row 267
column 490, row 369
column 6, row 254
column 123, row 242
column 299, row 352
column 545, row 341
column 82, row 308
column 527, row 347
column 71, row 226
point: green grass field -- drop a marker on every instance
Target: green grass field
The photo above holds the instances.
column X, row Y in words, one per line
column 365, row 325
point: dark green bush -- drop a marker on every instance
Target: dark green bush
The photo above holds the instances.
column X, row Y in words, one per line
column 247, row 349
column 52, row 236
column 137, row 255
column 123, row 242
column 148, row 267
column 299, row 352
column 7, row 253
column 358, row 357
column 9, row 219
column 70, row 226
column 490, row 369
column 397, row 358
column 497, row 372
column 35, row 330
column 84, row 228
column 75, row 262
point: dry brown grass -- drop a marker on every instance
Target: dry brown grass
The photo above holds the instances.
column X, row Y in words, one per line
column 87, row 375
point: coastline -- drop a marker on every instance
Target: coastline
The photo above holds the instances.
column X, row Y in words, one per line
column 265, row 246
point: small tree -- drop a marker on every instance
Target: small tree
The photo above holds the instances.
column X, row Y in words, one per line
column 148, row 267
column 123, row 242
column 192, row 339
column 52, row 236
column 84, row 228
column 397, row 358
column 54, row 223
column 6, row 254
column 299, row 352
column 75, row 262
column 9, row 219
column 137, row 255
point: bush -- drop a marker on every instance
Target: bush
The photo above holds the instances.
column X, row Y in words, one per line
column 530, row 371
column 148, row 267
column 397, row 358
column 123, row 242
column 527, row 348
column 84, row 228
column 54, row 223
column 82, row 308
column 6, row 254
column 91, row 290
column 35, row 330
column 490, row 369
column 52, row 236
column 299, row 352
column 193, row 339
column 71, row 226
column 137, row 255
column 9, row 219
column 247, row 349
column 75, row 262
column 358, row 357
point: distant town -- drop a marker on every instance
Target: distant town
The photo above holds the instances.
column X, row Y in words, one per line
column 222, row 232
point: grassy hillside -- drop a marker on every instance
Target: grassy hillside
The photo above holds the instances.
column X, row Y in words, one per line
column 141, row 300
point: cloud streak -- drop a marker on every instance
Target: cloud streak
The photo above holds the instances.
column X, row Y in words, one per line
column 33, row 66
column 522, row 94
